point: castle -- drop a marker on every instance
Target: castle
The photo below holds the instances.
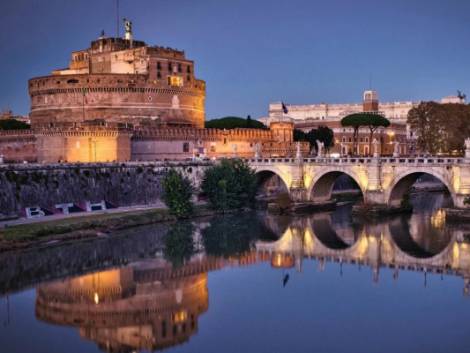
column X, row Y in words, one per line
column 122, row 100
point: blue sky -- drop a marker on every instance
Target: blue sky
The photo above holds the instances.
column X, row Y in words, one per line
column 252, row 52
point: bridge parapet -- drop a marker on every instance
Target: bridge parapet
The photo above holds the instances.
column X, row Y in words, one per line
column 382, row 180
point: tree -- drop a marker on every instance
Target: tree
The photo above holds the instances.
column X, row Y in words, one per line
column 440, row 128
column 177, row 193
column 13, row 124
column 234, row 122
column 229, row 185
column 375, row 121
column 249, row 122
column 371, row 120
column 299, row 135
column 323, row 134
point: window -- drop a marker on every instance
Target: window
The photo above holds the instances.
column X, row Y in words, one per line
column 349, row 140
column 188, row 69
column 186, row 147
column 169, row 66
column 180, row 69
column 343, row 139
column 159, row 66
column 159, row 75
column 175, row 81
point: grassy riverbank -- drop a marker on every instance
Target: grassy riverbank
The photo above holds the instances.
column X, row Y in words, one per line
column 25, row 235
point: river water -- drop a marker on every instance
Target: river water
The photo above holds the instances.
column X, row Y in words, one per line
column 248, row 283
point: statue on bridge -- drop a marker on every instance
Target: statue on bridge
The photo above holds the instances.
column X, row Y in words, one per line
column 298, row 152
column 396, row 149
column 467, row 147
column 320, row 147
column 257, row 150
column 376, row 144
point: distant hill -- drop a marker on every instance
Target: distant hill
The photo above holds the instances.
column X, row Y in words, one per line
column 234, row 122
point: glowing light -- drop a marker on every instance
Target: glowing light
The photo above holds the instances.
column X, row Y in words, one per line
column 96, row 298
column 438, row 219
column 180, row 316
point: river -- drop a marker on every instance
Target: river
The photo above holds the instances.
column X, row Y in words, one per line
column 248, row 283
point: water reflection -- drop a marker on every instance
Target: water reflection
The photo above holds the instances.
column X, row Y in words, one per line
column 137, row 307
column 157, row 302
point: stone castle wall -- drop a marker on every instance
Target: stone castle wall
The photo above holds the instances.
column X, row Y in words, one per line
column 122, row 184
column 18, row 146
column 115, row 98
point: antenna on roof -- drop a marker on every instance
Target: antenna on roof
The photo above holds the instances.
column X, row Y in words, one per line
column 117, row 18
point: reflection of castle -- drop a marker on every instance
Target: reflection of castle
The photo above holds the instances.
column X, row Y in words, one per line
column 123, row 313
column 121, row 99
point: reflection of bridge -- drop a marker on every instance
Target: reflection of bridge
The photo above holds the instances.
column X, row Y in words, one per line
column 376, row 246
column 381, row 180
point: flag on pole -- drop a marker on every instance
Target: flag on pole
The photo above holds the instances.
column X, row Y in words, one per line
column 284, row 108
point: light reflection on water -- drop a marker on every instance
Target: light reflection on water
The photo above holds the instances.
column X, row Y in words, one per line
column 262, row 284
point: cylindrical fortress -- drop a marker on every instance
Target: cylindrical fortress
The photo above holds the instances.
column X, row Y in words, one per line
column 119, row 80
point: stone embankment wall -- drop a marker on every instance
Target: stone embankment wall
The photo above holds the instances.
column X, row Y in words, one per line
column 119, row 184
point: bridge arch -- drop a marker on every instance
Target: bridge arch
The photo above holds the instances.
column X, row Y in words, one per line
column 267, row 174
column 322, row 184
column 402, row 183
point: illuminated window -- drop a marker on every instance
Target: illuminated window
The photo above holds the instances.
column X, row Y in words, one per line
column 175, row 81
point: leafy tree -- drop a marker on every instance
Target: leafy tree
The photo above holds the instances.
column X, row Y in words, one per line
column 249, row 122
column 322, row 133
column 440, row 128
column 229, row 185
column 234, row 122
column 13, row 124
column 299, row 135
column 179, row 246
column 177, row 192
column 375, row 121
column 370, row 120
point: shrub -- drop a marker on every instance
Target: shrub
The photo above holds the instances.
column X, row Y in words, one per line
column 177, row 192
column 229, row 185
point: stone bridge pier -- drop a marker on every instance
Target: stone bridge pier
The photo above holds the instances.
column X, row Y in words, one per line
column 383, row 181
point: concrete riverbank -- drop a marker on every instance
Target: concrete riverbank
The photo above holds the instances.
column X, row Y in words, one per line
column 54, row 232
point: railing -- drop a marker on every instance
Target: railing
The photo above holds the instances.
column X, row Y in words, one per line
column 365, row 160
column 91, row 165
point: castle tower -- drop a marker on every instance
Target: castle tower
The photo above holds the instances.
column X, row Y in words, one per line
column 370, row 101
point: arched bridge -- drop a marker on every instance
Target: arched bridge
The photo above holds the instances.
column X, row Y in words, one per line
column 382, row 180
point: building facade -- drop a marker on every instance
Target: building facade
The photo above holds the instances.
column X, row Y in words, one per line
column 396, row 138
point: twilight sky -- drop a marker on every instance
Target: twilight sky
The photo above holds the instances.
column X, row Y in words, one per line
column 252, row 52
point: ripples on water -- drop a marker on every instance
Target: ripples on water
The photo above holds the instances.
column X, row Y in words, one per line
column 248, row 283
